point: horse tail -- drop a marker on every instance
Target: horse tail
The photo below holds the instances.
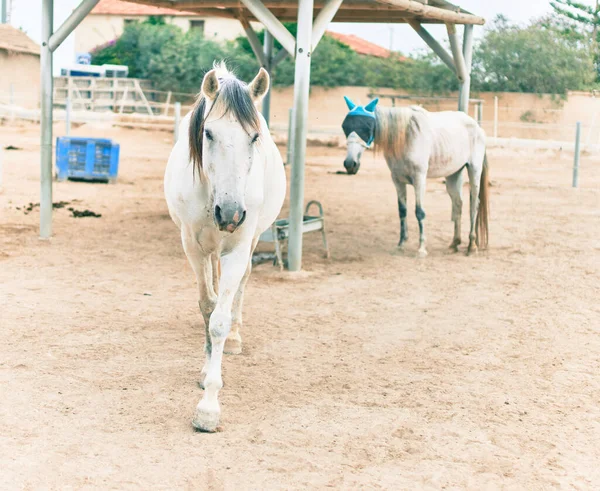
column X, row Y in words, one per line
column 484, row 206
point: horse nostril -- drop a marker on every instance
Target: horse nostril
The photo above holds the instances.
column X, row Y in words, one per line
column 242, row 219
column 218, row 214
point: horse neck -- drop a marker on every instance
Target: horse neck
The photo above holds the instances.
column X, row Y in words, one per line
column 390, row 129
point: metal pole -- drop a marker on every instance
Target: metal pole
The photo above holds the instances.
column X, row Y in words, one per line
column 495, row 116
column 480, row 113
column 268, row 52
column 290, row 140
column 577, row 154
column 1, row 157
column 177, row 120
column 4, row 13
column 46, row 121
column 68, row 107
column 301, row 93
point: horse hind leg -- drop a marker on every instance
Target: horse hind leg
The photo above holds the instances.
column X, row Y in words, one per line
column 419, row 184
column 475, row 171
column 402, row 212
column 454, row 184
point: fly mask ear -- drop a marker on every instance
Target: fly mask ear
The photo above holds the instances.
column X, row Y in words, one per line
column 370, row 107
column 259, row 87
column 210, row 85
column 349, row 103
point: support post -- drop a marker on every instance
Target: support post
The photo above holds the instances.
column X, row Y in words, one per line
column 577, row 155
column 1, row 157
column 177, row 120
column 301, row 93
column 290, row 140
column 495, row 116
column 4, row 12
column 268, row 54
column 46, row 121
column 68, row 106
column 464, row 78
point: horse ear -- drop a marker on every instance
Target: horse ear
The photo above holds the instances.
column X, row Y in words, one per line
column 349, row 103
column 371, row 105
column 210, row 85
column 259, row 87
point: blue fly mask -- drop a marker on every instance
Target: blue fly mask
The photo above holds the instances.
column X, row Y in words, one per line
column 360, row 120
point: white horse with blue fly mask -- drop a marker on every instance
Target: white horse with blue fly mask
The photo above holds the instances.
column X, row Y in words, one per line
column 224, row 186
column 417, row 145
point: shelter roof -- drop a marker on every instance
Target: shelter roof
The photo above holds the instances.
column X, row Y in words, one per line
column 384, row 11
column 124, row 8
column 12, row 39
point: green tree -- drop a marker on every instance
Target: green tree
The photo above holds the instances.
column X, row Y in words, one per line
column 532, row 59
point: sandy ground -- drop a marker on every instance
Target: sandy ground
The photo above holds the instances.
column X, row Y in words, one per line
column 371, row 370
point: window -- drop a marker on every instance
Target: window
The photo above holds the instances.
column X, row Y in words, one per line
column 197, row 26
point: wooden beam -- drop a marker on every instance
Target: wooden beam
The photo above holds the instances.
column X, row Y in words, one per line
column 254, row 42
column 437, row 48
column 426, row 14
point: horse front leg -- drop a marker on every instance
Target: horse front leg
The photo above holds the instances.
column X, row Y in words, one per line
column 233, row 343
column 233, row 268
column 207, row 298
column 419, row 184
column 402, row 212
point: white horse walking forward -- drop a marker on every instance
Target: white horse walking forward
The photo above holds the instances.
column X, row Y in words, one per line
column 224, row 185
column 417, row 145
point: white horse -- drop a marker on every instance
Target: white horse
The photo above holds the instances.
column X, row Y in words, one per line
column 417, row 145
column 224, row 186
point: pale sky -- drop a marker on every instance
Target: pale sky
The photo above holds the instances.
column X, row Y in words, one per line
column 26, row 15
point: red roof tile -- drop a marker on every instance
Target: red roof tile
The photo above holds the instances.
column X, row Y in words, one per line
column 119, row 7
column 360, row 45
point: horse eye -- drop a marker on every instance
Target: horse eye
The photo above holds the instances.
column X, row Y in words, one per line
column 255, row 138
column 208, row 135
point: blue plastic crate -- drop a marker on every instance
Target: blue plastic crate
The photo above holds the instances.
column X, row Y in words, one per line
column 91, row 159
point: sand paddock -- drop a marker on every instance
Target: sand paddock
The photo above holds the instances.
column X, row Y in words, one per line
column 370, row 370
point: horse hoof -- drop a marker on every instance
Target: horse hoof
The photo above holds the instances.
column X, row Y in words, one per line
column 206, row 419
column 422, row 253
column 454, row 246
column 233, row 345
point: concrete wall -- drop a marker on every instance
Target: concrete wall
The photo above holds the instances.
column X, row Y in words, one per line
column 22, row 71
column 96, row 30
column 520, row 115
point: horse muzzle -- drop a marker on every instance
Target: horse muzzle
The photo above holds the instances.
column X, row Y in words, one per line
column 351, row 166
column 229, row 217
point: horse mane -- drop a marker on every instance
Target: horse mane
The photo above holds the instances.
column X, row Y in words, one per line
column 232, row 98
column 393, row 127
